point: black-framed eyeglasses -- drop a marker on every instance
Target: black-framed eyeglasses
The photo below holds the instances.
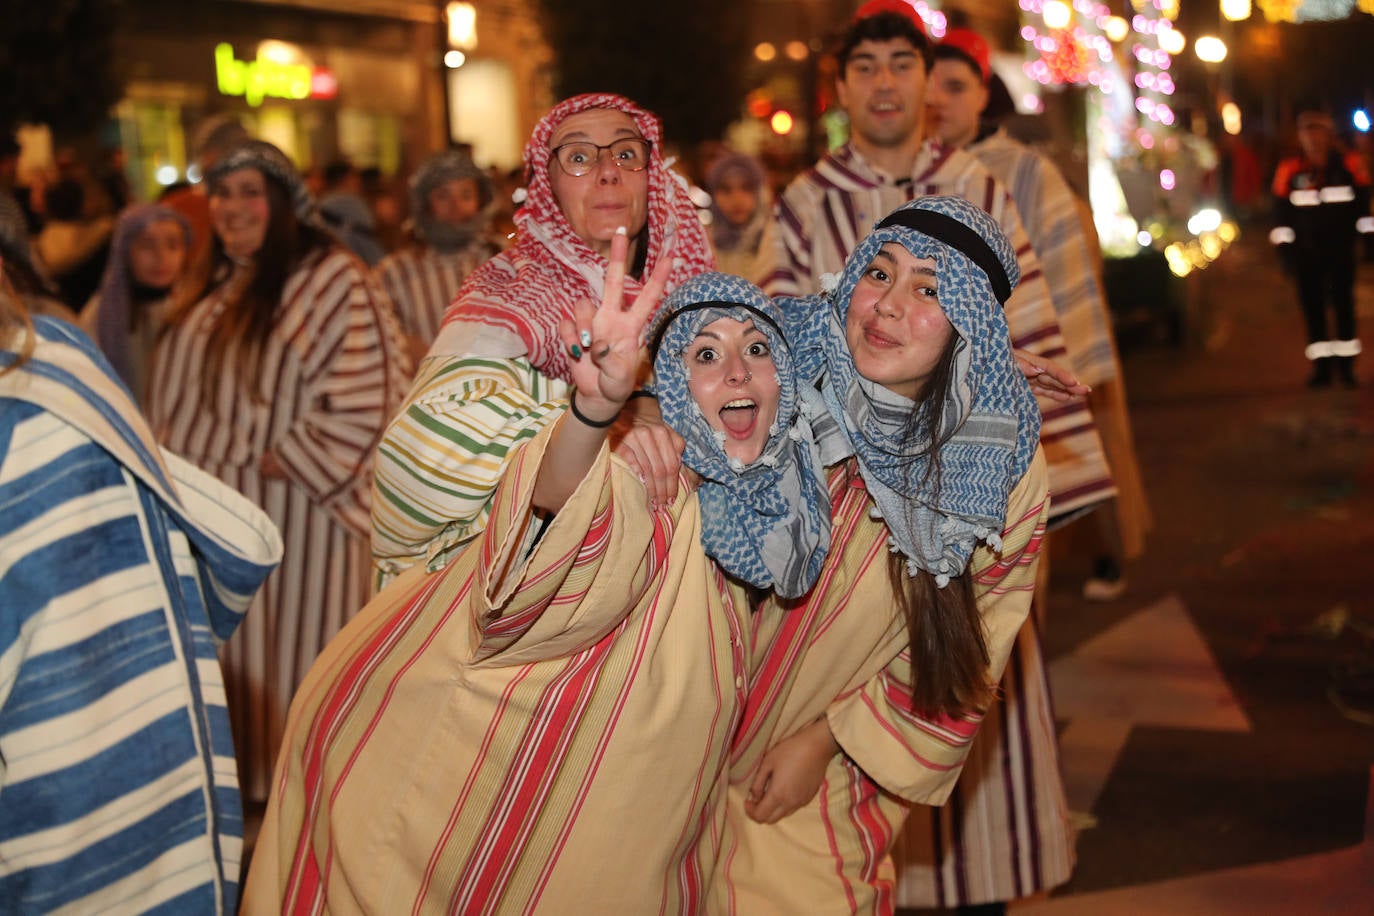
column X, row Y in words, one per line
column 580, row 157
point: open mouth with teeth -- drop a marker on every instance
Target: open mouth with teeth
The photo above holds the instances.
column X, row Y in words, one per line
column 739, row 417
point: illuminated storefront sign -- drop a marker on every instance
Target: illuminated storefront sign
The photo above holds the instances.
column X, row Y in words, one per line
column 266, row 78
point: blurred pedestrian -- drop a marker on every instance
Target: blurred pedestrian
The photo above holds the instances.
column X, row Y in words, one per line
column 497, row 373
column 1321, row 202
column 347, row 213
column 741, row 204
column 26, row 279
column 126, row 315
column 121, row 569
column 450, row 199
column 277, row 373
column 72, row 247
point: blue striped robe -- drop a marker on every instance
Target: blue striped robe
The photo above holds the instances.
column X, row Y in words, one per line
column 121, row 569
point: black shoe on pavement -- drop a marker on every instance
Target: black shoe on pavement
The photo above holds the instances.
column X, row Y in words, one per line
column 1321, row 373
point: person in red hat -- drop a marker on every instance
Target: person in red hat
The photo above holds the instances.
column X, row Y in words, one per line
column 1321, row 200
column 958, row 104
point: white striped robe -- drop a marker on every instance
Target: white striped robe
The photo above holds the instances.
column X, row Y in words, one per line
column 1049, row 212
column 826, row 211
column 421, row 282
column 1005, row 830
column 121, row 568
column 331, row 374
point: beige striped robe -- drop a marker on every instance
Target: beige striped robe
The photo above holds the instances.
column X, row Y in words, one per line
column 842, row 653
column 521, row 732
column 330, row 377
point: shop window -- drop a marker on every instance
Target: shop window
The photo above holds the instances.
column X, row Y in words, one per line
column 369, row 139
column 483, row 112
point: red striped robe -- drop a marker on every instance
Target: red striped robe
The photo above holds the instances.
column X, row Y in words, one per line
column 842, row 653
column 329, row 380
column 523, row 731
column 421, row 282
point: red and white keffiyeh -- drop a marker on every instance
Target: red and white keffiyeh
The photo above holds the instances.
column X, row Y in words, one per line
column 531, row 286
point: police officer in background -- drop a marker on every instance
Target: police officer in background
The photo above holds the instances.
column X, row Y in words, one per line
column 1321, row 201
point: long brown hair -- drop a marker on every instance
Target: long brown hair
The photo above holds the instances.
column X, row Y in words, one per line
column 240, row 331
column 949, row 650
column 15, row 324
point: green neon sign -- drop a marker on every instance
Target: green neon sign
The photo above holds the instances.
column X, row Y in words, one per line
column 258, row 79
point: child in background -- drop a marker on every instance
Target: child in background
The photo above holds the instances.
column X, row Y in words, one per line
column 126, row 314
column 740, row 206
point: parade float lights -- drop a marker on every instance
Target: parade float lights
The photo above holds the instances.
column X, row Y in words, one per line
column 1128, row 60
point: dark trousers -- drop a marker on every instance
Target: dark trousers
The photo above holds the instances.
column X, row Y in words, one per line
column 1324, row 279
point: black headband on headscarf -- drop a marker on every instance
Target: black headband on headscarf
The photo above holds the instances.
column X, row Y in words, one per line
column 949, row 230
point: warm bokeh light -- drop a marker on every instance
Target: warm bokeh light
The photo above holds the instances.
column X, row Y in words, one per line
column 781, row 122
column 462, row 25
column 1230, row 118
column 797, row 50
column 455, row 59
column 765, row 51
column 1210, row 49
column 1057, row 14
column 1117, row 28
column 1236, row 10
column 1172, row 40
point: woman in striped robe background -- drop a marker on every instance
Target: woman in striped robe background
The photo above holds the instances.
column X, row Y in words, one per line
column 277, row 375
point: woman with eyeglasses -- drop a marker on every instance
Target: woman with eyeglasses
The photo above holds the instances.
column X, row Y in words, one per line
column 497, row 373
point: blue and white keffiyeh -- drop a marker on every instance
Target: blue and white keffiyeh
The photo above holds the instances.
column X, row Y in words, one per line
column 767, row 522
column 991, row 422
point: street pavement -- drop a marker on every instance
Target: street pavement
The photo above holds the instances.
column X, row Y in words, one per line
column 1217, row 721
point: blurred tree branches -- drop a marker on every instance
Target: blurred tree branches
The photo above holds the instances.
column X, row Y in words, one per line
column 57, row 64
column 682, row 60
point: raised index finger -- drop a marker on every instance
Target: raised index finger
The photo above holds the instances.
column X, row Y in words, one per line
column 646, row 303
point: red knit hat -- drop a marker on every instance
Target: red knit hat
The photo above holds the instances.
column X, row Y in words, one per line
column 900, row 7
column 973, row 46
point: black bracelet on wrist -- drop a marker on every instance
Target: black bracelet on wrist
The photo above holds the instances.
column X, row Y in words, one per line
column 583, row 418
column 641, row 393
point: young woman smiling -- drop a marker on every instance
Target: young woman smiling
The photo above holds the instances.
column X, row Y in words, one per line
column 865, row 695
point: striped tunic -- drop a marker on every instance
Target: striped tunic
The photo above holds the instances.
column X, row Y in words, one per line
column 524, row 731
column 444, row 453
column 826, row 211
column 121, row 568
column 421, row 282
column 1049, row 212
column 842, row 653
column 331, row 376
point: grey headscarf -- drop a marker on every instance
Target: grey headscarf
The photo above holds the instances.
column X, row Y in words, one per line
column 434, row 172
column 273, row 163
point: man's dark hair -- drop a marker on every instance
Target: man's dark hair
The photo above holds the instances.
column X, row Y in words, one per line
column 65, row 200
column 882, row 27
column 337, row 171
column 949, row 52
